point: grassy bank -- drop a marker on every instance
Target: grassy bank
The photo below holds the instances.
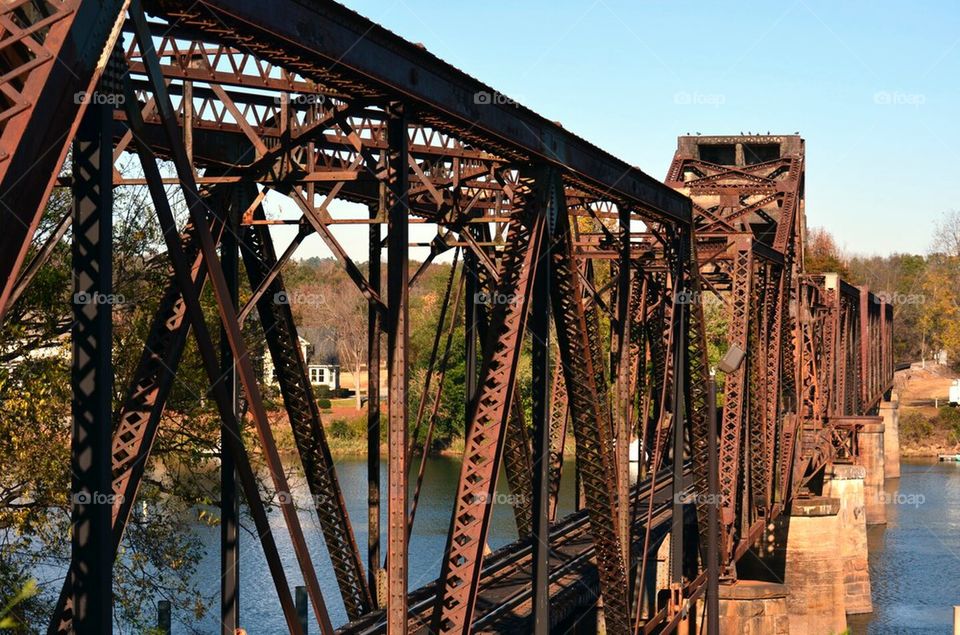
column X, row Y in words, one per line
column 927, row 427
column 925, row 435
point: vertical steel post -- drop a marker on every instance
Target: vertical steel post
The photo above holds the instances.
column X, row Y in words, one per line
column 470, row 265
column 680, row 302
column 92, row 374
column 373, row 411
column 229, row 501
column 713, row 515
column 300, row 598
column 163, row 617
column 621, row 371
column 540, row 413
column 397, row 336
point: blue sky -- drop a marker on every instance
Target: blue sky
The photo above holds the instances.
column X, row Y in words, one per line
column 873, row 87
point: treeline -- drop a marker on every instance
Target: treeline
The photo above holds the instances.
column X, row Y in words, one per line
column 923, row 289
column 322, row 294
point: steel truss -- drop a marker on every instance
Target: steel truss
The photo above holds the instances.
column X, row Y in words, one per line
column 551, row 228
column 814, row 346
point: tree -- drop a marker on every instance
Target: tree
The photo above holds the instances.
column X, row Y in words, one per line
column 345, row 309
column 946, row 234
column 941, row 286
column 158, row 553
column 898, row 279
column 821, row 254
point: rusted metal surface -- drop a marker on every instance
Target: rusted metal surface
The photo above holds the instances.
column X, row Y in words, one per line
column 463, row 557
column 279, row 329
column 242, row 100
column 53, row 54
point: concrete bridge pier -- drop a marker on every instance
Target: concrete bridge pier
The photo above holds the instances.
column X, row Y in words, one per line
column 753, row 607
column 871, row 444
column 846, row 485
column 890, row 411
column 813, row 572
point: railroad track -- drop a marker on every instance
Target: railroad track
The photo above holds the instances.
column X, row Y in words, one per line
column 505, row 598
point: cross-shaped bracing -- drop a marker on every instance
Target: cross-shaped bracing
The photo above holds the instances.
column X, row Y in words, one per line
column 253, row 104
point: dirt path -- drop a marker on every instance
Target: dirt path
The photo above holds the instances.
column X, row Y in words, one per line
column 920, row 389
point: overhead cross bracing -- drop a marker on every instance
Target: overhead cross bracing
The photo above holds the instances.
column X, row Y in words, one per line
column 313, row 102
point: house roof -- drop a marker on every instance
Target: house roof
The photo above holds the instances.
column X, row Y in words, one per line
column 323, row 345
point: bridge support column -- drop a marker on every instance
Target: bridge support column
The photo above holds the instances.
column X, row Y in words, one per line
column 753, row 607
column 847, row 487
column 890, row 411
column 870, row 442
column 815, row 603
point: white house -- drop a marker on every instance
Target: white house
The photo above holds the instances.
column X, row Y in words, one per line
column 319, row 349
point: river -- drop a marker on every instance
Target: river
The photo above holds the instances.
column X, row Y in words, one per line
column 913, row 559
column 259, row 609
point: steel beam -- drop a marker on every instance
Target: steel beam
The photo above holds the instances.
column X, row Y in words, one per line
column 52, row 61
column 92, row 376
column 351, row 54
column 229, row 498
column 463, row 559
column 590, row 417
column 374, row 337
column 280, row 333
column 398, row 290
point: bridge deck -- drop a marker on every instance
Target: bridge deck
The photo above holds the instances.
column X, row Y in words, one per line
column 504, row 603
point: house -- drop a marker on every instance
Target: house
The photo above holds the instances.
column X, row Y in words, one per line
column 318, row 345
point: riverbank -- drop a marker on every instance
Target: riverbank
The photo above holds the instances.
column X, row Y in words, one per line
column 928, row 426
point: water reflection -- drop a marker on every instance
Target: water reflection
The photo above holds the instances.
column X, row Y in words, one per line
column 915, row 557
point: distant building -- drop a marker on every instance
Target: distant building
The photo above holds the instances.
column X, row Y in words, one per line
column 318, row 345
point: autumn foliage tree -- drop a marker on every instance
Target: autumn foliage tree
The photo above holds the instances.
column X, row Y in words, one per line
column 821, row 254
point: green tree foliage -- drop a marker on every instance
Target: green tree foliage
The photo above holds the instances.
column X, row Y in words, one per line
column 160, row 547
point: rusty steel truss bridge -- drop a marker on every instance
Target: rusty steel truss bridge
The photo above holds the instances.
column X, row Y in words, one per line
column 607, row 272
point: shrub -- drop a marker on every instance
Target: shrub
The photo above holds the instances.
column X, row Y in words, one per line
column 321, row 391
column 949, row 417
column 323, row 403
column 339, row 429
column 354, row 428
column 915, row 427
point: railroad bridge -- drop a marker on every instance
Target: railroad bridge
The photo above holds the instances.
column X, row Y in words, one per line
column 612, row 277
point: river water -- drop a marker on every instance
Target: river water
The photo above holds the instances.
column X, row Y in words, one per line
column 914, row 559
column 259, row 609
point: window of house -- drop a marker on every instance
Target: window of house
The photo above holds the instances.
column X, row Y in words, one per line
column 315, row 374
